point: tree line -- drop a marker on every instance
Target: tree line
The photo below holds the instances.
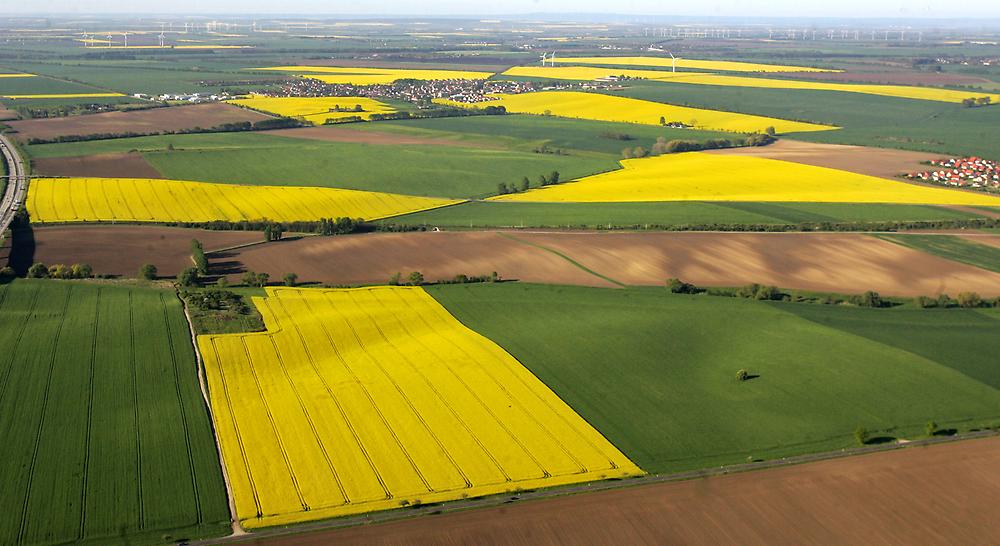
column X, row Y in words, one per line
column 262, row 125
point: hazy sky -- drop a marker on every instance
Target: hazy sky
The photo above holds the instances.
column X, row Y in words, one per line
column 766, row 8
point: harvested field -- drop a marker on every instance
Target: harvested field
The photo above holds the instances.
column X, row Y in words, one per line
column 882, row 162
column 121, row 250
column 944, row 494
column 153, row 120
column 127, row 165
column 327, row 133
column 828, row 262
column 373, row 258
column 825, row 262
column 982, row 238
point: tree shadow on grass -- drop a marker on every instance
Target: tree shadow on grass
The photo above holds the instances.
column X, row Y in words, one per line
column 879, row 440
column 945, row 432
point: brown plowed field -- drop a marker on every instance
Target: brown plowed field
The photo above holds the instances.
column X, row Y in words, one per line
column 154, row 120
column 881, row 162
column 7, row 114
column 122, row 249
column 828, row 262
column 373, row 258
column 982, row 238
column 344, row 134
column 938, row 495
column 128, row 165
column 891, row 77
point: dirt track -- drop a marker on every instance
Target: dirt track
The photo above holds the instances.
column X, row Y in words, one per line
column 128, row 165
column 880, row 162
column 373, row 258
column 833, row 262
column 154, row 120
column 946, row 494
column 122, row 249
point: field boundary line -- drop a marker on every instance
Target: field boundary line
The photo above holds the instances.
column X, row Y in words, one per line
column 135, row 410
column 451, row 507
column 563, row 256
column 199, row 368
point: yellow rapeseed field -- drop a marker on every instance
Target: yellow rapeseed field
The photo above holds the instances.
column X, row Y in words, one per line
column 63, row 96
column 587, row 73
column 315, row 109
column 370, row 76
column 666, row 62
column 153, row 200
column 575, row 104
column 698, row 176
column 17, row 75
column 356, row 400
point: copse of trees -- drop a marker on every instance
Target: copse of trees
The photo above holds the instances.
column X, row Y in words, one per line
column 976, row 102
column 147, row 272
column 256, row 280
column 188, row 277
column 235, row 127
column 39, row 270
column 664, row 146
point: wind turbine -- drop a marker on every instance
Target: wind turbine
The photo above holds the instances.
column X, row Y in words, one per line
column 544, row 56
column 109, row 40
column 552, row 59
column 125, row 34
column 86, row 40
column 673, row 61
column 161, row 38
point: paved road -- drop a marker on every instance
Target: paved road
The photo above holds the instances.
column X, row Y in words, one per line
column 17, row 183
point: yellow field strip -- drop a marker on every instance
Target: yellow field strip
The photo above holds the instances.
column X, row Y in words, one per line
column 154, row 200
column 667, row 62
column 370, row 76
column 314, row 109
column 575, row 104
column 697, row 176
column 17, row 75
column 63, row 96
column 366, row 399
column 586, row 73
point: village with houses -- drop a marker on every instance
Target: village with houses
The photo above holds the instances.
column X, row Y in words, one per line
column 965, row 172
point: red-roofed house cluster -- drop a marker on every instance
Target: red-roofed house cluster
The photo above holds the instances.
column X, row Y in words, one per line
column 964, row 172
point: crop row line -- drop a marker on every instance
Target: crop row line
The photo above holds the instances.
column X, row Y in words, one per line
column 135, row 412
column 309, row 419
column 399, row 390
column 274, row 426
column 41, row 422
column 343, row 415
column 90, row 417
column 183, row 407
column 236, row 428
column 371, row 401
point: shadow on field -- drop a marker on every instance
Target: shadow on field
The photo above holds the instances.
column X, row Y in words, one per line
column 22, row 253
column 878, row 440
column 223, row 263
column 945, row 432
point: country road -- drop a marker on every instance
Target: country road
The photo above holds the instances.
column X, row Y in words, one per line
column 17, row 187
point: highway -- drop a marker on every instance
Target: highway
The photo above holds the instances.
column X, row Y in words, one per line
column 17, row 184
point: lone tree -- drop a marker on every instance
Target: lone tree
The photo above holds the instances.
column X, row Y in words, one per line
column 147, row 272
column 742, row 375
column 416, row 278
column 291, row 279
column 554, row 177
column 931, row 427
column 525, row 184
column 663, row 120
column 862, row 435
column 82, row 271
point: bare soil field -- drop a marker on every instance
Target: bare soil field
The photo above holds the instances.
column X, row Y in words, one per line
column 7, row 114
column 373, row 258
column 121, row 249
column 891, row 77
column 477, row 63
column 982, row 238
column 824, row 262
column 827, row 262
column 880, row 162
column 153, row 120
column 126, row 165
column 937, row 495
column 329, row 133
